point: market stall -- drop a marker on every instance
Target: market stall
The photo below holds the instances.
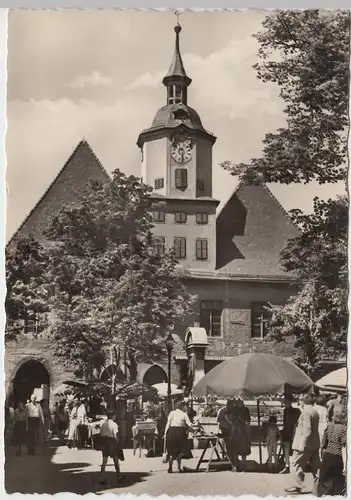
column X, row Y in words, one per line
column 253, row 375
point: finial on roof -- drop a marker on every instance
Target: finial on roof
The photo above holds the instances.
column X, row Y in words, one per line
column 177, row 28
column 176, row 70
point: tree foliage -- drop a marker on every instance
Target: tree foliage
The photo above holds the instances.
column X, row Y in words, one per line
column 317, row 316
column 306, row 53
column 110, row 285
column 27, row 291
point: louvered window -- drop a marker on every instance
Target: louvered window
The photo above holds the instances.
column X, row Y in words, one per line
column 181, row 178
column 180, row 248
column 201, row 249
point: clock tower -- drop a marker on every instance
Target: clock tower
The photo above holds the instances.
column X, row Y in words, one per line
column 176, row 160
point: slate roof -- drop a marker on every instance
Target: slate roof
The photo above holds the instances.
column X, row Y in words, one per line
column 80, row 169
column 252, row 230
column 165, row 117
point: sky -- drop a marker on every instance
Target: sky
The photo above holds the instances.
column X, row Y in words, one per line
column 97, row 74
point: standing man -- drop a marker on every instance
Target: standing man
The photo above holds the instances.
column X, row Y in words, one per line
column 35, row 422
column 321, row 407
column 291, row 417
column 305, row 445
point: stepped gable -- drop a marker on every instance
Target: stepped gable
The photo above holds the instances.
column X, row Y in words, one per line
column 68, row 187
column 252, row 230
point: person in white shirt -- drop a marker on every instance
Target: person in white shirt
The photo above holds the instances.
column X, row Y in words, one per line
column 321, row 407
column 82, row 431
column 73, row 426
column 35, row 421
column 109, row 445
column 176, row 435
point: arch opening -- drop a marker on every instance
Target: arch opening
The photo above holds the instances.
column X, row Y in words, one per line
column 31, row 375
column 155, row 375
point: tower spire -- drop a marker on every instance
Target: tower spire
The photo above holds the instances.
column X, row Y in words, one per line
column 176, row 79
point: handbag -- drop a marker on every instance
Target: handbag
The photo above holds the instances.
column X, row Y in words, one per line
column 165, row 454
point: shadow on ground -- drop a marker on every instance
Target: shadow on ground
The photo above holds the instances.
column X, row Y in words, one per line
column 37, row 474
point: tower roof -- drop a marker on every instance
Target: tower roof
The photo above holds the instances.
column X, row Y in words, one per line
column 176, row 71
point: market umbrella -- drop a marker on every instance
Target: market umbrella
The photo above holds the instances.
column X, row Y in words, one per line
column 253, row 374
column 334, row 381
column 162, row 389
column 76, row 383
column 131, row 390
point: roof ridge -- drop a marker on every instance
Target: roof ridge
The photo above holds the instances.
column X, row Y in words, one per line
column 82, row 142
column 235, row 190
column 264, row 185
column 274, row 198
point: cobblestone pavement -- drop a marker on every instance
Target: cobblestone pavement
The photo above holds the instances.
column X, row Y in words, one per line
column 77, row 471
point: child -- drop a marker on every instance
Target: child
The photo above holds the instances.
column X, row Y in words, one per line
column 109, row 445
column 272, row 440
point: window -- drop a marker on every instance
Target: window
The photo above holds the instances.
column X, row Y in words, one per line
column 181, row 178
column 180, row 248
column 202, row 218
column 178, row 94
column 122, row 241
column 180, row 217
column 259, row 317
column 159, row 216
column 159, row 183
column 211, row 317
column 201, row 249
column 159, row 245
column 32, row 326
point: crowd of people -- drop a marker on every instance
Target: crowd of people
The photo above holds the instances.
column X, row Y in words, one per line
column 313, row 434
column 319, row 441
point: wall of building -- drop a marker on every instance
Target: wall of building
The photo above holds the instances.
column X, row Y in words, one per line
column 190, row 167
column 190, row 230
column 26, row 348
column 154, row 165
column 204, row 165
column 237, row 298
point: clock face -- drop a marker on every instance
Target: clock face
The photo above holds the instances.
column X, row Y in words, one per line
column 181, row 151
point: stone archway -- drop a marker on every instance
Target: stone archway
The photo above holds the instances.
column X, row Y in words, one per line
column 155, row 374
column 31, row 374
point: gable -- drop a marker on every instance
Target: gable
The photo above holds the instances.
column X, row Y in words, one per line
column 68, row 188
column 252, row 230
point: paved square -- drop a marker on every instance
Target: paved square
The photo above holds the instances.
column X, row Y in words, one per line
column 77, row 471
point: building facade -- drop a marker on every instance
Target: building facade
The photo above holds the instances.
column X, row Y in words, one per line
column 232, row 257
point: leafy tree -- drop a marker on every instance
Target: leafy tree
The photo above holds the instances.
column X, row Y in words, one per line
column 307, row 54
column 317, row 316
column 27, row 293
column 111, row 287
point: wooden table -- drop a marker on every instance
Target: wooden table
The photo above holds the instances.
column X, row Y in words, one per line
column 214, row 444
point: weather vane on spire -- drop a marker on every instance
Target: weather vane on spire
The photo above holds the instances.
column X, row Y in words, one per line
column 178, row 13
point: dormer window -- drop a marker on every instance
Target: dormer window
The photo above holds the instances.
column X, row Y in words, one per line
column 181, row 114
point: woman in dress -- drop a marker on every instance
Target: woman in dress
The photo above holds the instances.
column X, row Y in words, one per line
column 240, row 439
column 225, row 419
column 73, row 426
column 331, row 475
column 176, row 435
column 20, row 428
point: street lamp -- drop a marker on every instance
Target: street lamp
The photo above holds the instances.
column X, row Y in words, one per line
column 169, row 346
